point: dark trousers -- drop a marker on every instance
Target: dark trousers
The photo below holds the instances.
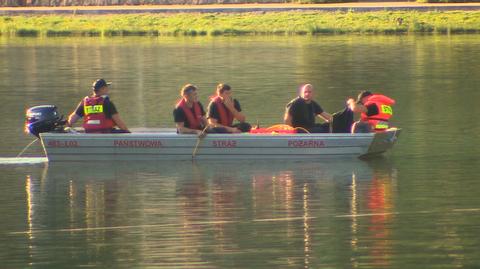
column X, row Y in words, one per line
column 319, row 128
column 242, row 126
column 362, row 127
column 119, row 131
column 342, row 123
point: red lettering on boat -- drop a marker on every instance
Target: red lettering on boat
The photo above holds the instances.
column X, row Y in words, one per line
column 137, row 143
column 306, row 143
column 224, row 143
column 62, row 144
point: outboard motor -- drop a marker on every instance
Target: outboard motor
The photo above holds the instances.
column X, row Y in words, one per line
column 41, row 119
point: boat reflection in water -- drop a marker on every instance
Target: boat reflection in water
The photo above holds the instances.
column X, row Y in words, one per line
column 212, row 214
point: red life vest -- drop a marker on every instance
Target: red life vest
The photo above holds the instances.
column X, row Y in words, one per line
column 226, row 117
column 384, row 105
column 194, row 121
column 95, row 120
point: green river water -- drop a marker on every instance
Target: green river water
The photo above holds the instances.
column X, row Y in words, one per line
column 416, row 207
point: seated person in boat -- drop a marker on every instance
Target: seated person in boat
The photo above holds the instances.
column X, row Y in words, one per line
column 98, row 112
column 223, row 109
column 301, row 112
column 188, row 114
column 375, row 111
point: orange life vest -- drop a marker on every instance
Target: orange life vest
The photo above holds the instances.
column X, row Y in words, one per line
column 95, row 120
column 194, row 121
column 384, row 105
column 226, row 117
column 275, row 129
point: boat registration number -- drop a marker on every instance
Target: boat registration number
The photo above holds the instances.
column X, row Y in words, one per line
column 62, row 144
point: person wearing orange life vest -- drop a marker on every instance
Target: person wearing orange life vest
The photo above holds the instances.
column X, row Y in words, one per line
column 188, row 114
column 223, row 109
column 99, row 113
column 375, row 109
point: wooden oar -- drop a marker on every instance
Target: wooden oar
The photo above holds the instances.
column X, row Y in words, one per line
column 199, row 139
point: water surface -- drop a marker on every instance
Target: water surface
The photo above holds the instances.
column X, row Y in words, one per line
column 416, row 207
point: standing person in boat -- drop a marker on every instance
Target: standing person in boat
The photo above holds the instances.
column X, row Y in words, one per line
column 375, row 109
column 99, row 113
column 302, row 111
column 223, row 109
column 188, row 114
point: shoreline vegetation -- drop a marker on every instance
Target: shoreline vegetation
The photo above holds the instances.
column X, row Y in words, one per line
column 65, row 3
column 252, row 23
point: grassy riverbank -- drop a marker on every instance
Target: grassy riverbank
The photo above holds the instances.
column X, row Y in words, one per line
column 270, row 23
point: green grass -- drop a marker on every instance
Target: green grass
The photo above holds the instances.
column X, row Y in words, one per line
column 270, row 23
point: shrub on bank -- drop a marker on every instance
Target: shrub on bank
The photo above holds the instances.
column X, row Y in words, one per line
column 269, row 23
column 53, row 3
column 56, row 3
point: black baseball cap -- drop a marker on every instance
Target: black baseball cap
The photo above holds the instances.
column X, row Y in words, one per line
column 363, row 94
column 99, row 83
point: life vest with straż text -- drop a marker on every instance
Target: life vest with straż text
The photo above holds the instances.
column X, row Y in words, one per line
column 95, row 120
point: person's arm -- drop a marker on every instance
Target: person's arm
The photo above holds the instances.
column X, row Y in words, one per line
column 214, row 123
column 184, row 130
column 287, row 118
column 230, row 104
column 119, row 122
column 356, row 107
column 319, row 112
column 204, row 122
column 76, row 115
column 72, row 119
column 325, row 116
column 179, row 119
column 111, row 112
column 212, row 117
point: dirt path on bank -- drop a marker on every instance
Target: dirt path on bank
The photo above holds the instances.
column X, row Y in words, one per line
column 359, row 7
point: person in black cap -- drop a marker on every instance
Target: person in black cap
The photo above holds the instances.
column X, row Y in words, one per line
column 375, row 110
column 98, row 112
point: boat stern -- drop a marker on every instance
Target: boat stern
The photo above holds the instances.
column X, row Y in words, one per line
column 383, row 141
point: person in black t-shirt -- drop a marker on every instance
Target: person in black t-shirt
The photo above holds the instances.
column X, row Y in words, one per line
column 188, row 114
column 223, row 109
column 102, row 115
column 302, row 111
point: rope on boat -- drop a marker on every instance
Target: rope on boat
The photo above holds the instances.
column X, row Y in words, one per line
column 25, row 148
column 303, row 129
column 199, row 139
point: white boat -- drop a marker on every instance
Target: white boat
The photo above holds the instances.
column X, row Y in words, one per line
column 166, row 144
